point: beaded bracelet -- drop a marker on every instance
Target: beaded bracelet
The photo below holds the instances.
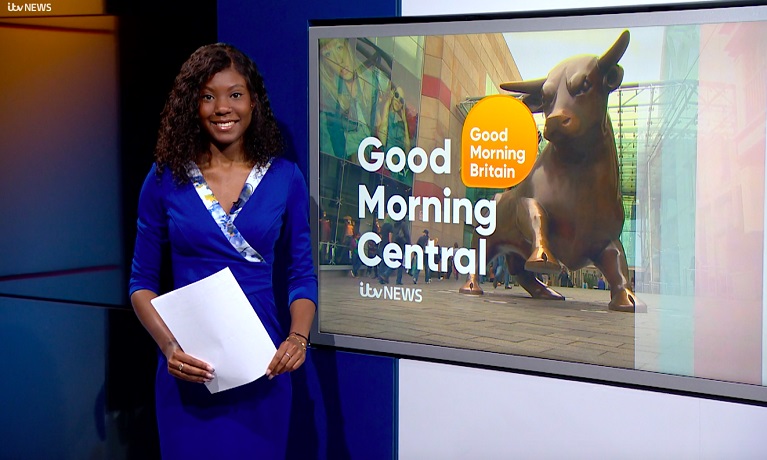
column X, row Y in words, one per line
column 300, row 342
column 300, row 335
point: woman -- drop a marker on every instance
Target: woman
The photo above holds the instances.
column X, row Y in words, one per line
column 393, row 130
column 348, row 99
column 219, row 196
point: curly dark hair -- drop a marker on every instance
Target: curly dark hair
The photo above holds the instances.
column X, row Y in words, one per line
column 182, row 139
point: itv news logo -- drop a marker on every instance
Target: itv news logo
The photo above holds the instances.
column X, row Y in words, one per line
column 29, row 7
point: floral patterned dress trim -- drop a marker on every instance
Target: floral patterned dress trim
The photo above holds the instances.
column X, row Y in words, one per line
column 226, row 221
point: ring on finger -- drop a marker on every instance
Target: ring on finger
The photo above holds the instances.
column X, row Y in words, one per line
column 181, row 367
column 287, row 354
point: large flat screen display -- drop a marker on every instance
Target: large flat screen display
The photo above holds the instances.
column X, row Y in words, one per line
column 575, row 193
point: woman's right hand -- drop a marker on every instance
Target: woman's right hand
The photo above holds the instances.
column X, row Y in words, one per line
column 187, row 367
column 180, row 364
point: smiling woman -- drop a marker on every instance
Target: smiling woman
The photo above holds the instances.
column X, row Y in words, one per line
column 225, row 109
column 210, row 87
column 218, row 146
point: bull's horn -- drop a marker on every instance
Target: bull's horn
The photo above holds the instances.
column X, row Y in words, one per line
column 615, row 53
column 525, row 86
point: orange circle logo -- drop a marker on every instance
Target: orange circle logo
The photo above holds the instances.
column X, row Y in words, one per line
column 499, row 143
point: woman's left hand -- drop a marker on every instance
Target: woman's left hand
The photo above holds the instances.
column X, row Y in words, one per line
column 289, row 357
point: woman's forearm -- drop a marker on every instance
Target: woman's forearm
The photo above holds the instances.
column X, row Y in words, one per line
column 302, row 316
column 151, row 320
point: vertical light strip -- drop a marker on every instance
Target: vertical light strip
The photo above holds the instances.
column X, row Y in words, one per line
column 764, row 275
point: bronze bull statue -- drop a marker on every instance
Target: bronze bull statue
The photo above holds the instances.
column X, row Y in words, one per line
column 568, row 210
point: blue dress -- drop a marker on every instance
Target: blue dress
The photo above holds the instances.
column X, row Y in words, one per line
column 252, row 420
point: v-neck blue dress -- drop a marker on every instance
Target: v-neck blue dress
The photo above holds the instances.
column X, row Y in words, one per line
column 252, row 420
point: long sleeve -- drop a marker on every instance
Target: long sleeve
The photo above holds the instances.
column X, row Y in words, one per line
column 151, row 235
column 296, row 239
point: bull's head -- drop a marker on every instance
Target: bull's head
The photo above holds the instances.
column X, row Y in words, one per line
column 574, row 94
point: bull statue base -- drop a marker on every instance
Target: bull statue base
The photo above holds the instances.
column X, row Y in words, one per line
column 568, row 211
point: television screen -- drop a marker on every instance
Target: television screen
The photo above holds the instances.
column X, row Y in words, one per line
column 575, row 193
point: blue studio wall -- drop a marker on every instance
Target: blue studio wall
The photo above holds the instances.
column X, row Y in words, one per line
column 345, row 403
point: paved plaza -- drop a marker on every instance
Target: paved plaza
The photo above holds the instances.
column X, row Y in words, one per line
column 579, row 329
